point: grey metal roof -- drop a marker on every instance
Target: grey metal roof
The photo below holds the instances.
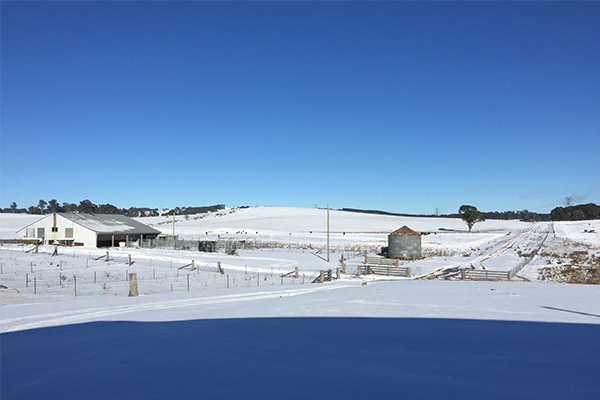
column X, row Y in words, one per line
column 110, row 224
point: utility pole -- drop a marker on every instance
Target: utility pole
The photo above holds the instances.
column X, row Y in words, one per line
column 328, row 232
column 173, row 224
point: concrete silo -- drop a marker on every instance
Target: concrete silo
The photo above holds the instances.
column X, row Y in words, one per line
column 404, row 243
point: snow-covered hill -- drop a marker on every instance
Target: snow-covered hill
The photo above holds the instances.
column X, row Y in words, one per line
column 250, row 333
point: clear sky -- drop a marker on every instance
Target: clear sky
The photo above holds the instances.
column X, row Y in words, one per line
column 397, row 106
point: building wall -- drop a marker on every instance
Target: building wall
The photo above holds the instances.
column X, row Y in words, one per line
column 80, row 234
column 408, row 247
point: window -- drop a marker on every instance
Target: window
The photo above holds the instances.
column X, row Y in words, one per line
column 69, row 233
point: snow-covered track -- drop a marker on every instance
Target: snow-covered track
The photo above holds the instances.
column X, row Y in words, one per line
column 98, row 313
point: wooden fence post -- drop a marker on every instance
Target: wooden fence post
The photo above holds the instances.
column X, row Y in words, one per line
column 408, row 272
column 337, row 273
column 463, row 274
column 129, row 259
column 133, row 286
column 321, row 274
column 297, row 273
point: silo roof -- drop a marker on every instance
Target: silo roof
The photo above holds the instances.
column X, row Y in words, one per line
column 405, row 231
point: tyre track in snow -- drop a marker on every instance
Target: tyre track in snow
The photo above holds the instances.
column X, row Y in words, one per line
column 96, row 313
column 510, row 244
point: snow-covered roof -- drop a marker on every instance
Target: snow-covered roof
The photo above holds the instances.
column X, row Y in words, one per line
column 110, row 223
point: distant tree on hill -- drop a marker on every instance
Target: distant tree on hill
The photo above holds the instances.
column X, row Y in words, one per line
column 580, row 212
column 69, row 207
column 53, row 206
column 470, row 215
column 13, row 206
column 107, row 209
column 132, row 212
column 86, row 206
column 41, row 205
column 32, row 210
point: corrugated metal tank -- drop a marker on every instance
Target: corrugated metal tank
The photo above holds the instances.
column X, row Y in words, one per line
column 404, row 243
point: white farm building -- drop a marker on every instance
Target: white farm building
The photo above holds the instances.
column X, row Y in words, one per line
column 93, row 230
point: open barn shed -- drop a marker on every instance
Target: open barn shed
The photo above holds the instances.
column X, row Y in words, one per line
column 93, row 230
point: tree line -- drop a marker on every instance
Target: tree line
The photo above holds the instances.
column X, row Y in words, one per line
column 523, row 215
column 571, row 213
column 87, row 207
column 581, row 212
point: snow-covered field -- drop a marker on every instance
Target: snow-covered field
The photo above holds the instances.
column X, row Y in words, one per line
column 249, row 333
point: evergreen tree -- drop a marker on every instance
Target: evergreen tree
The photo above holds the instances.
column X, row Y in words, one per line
column 470, row 215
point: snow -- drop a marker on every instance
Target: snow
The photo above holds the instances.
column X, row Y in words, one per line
column 585, row 232
column 264, row 337
column 11, row 223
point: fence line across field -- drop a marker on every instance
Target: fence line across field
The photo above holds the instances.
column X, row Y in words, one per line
column 114, row 284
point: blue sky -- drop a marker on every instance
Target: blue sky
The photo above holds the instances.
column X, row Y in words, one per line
column 398, row 106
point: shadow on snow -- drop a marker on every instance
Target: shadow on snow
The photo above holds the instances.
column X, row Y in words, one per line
column 270, row 358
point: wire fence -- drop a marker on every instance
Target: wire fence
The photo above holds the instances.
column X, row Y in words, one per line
column 107, row 273
column 231, row 246
column 95, row 283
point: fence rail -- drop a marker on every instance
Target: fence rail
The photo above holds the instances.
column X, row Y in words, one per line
column 381, row 261
column 387, row 270
column 486, row 275
column 324, row 276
